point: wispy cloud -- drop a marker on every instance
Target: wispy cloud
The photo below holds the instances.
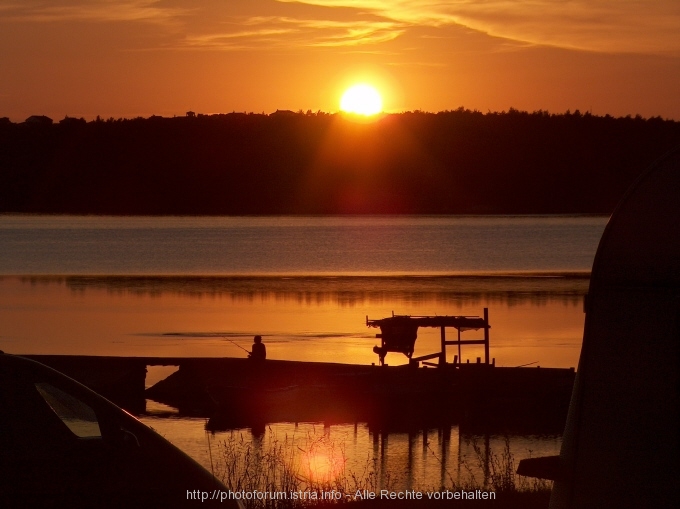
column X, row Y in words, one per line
column 148, row 11
column 236, row 40
column 212, row 26
column 597, row 25
column 267, row 31
column 638, row 26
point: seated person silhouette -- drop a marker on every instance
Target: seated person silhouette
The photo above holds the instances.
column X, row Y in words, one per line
column 259, row 351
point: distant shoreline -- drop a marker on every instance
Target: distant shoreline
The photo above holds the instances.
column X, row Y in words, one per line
column 458, row 162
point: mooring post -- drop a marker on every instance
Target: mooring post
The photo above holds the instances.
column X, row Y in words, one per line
column 486, row 335
column 442, row 359
column 487, row 457
column 446, row 441
column 460, row 356
column 383, row 457
column 411, row 444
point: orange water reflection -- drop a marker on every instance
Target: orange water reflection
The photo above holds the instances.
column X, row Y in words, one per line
column 313, row 319
column 322, row 467
column 422, row 460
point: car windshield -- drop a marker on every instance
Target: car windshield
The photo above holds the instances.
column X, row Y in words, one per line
column 75, row 414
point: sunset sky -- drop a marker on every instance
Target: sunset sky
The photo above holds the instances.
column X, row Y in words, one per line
column 130, row 58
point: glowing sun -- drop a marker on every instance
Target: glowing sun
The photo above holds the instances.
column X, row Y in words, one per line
column 361, row 100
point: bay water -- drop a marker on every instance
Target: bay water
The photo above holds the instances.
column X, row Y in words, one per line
column 187, row 286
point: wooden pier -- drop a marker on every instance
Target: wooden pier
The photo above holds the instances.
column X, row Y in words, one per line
column 237, row 392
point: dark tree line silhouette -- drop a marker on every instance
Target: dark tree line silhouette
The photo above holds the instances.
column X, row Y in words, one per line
column 452, row 162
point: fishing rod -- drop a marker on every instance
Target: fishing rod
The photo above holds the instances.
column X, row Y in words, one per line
column 236, row 344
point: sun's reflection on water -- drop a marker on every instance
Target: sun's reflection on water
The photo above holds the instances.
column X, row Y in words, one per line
column 347, row 453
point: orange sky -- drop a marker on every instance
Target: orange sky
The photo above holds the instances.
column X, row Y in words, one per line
column 131, row 58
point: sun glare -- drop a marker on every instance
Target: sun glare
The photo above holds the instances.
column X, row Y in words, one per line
column 361, row 100
column 323, row 467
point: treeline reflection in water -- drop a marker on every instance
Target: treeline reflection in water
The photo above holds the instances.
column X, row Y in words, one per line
column 504, row 289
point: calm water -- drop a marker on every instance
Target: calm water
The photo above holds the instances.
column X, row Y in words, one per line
column 421, row 460
column 183, row 286
column 296, row 245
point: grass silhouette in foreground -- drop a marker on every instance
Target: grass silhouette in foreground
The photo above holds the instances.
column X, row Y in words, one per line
column 290, row 465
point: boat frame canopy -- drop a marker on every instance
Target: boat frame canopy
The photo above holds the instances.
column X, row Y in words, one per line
column 398, row 333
